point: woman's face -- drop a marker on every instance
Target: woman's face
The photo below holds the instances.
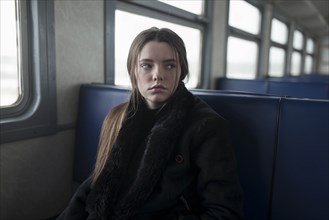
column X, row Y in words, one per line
column 158, row 73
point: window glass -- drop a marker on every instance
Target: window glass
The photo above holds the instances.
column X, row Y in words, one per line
column 298, row 40
column 325, row 54
column 308, row 64
column 241, row 58
column 276, row 62
column 129, row 25
column 310, row 46
column 10, row 85
column 279, row 31
column 295, row 63
column 193, row 6
column 244, row 16
column 324, row 59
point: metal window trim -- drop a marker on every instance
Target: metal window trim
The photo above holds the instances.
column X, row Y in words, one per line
column 160, row 14
column 163, row 8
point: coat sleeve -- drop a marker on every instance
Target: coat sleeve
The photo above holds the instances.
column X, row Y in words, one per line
column 76, row 210
column 217, row 185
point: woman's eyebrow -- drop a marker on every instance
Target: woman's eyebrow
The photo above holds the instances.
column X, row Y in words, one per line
column 146, row 60
column 164, row 61
column 169, row 60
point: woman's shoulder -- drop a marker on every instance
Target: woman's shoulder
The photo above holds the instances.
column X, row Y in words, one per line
column 201, row 110
column 204, row 118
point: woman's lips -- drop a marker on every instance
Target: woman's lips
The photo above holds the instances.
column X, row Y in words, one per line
column 157, row 88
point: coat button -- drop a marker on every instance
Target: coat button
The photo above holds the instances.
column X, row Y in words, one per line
column 179, row 158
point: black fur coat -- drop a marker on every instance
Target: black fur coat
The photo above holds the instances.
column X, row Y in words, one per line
column 185, row 168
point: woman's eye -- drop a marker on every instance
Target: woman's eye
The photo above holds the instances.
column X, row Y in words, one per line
column 170, row 66
column 145, row 66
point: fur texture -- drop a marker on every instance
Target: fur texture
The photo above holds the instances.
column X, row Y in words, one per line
column 107, row 199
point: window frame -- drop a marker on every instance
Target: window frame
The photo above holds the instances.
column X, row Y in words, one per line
column 279, row 45
column 159, row 10
column 301, row 51
column 306, row 53
column 284, row 62
column 257, row 38
column 36, row 115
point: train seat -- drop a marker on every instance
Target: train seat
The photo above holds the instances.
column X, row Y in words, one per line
column 313, row 90
column 254, row 126
column 276, row 87
column 256, row 86
column 281, row 147
column 304, row 78
column 95, row 101
column 315, row 78
column 253, row 121
column 302, row 170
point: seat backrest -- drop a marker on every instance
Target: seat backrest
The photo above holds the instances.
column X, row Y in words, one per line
column 315, row 78
column 95, row 102
column 253, row 121
column 301, row 173
column 291, row 88
column 315, row 90
column 256, row 86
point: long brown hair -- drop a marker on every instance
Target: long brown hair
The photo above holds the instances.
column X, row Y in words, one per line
column 109, row 132
column 112, row 122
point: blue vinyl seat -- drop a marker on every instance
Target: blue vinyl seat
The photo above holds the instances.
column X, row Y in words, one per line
column 313, row 90
column 95, row 102
column 253, row 121
column 281, row 146
column 302, row 170
column 256, row 86
column 277, row 87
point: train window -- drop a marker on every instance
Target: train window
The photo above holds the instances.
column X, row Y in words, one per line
column 243, row 40
column 324, row 59
column 276, row 62
column 279, row 31
column 241, row 58
column 193, row 6
column 15, row 90
column 10, row 84
column 28, row 92
column 135, row 24
column 310, row 46
column 298, row 40
column 244, row 16
column 10, row 47
column 308, row 64
column 125, row 19
column 296, row 61
column 277, row 54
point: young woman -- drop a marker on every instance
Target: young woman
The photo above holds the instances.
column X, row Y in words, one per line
column 165, row 154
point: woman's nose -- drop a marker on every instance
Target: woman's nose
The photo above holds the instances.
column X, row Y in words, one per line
column 157, row 76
